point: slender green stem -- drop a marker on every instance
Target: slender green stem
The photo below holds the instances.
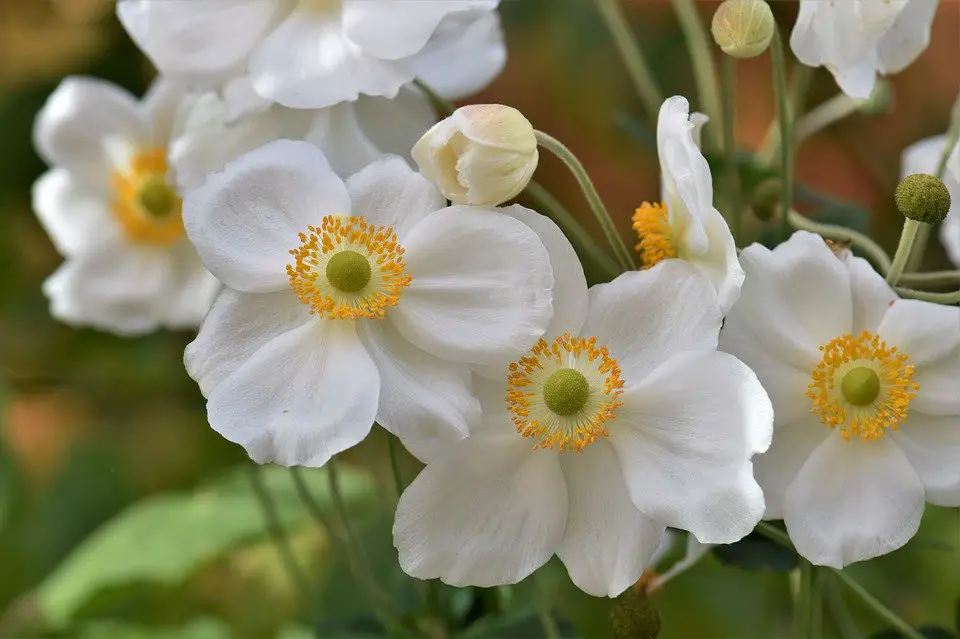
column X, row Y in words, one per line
column 395, row 465
column 799, row 83
column 907, row 238
column 948, row 299
column 700, row 46
column 773, row 533
column 278, row 535
column 874, row 604
column 578, row 235
column 837, row 608
column 550, row 628
column 816, row 605
column 336, row 496
column 825, row 114
column 632, row 56
column 804, row 608
column 444, row 106
column 623, row 255
column 731, row 171
column 932, row 279
column 786, row 131
column 871, row 249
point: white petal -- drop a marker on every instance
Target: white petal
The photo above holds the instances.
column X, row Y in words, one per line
column 950, row 236
column 607, row 542
column 646, row 317
column 337, row 132
column 75, row 216
column 244, row 220
column 487, row 514
column 685, row 174
column 389, row 193
column 793, row 442
column 191, row 40
column 237, row 325
column 871, row 295
column 159, row 108
column 685, row 436
column 794, row 298
column 929, row 334
column 79, row 119
column 394, row 126
column 421, row 396
column 481, row 286
column 859, row 80
column 300, row 399
column 853, row 501
column 465, row 54
column 908, row 36
column 192, row 289
column 392, row 30
column 932, row 444
column 308, row 63
column 720, row 262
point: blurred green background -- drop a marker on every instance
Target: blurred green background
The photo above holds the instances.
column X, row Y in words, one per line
column 93, row 423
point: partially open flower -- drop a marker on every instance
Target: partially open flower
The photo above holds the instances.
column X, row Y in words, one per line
column 483, row 154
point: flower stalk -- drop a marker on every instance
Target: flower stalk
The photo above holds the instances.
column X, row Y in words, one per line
column 904, row 249
column 871, row 249
column 731, row 174
column 786, row 131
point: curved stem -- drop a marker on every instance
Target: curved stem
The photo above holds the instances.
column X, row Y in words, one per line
column 701, row 54
column 440, row 103
column 838, row 611
column 786, row 131
column 555, row 146
column 874, row 604
column 904, row 248
column 799, row 83
column 932, row 279
column 948, row 299
column 632, row 56
column 825, row 114
column 804, row 608
column 872, row 250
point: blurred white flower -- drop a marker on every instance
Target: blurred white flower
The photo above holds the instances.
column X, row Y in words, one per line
column 594, row 442
column 864, row 388
column 350, row 302
column 858, row 39
column 110, row 207
column 686, row 225
column 924, row 157
column 482, row 154
column 308, row 54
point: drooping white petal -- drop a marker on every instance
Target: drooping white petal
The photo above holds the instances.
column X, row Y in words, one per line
column 394, row 126
column 929, row 334
column 646, row 317
column 336, row 131
column 607, row 542
column 852, row 501
column 244, row 220
column 79, row 121
column 75, row 216
column 932, row 444
column 388, row 192
column 685, row 174
column 481, row 286
column 237, row 325
column 793, row 443
column 421, row 397
column 870, row 293
column 488, row 513
column 685, row 436
column 301, row 398
column 908, row 37
column 720, row 263
column 466, row 52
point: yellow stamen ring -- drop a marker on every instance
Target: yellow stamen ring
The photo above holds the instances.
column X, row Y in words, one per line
column 147, row 207
column 564, row 392
column 656, row 243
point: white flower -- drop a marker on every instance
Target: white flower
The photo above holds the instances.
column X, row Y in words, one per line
column 209, row 133
column 316, row 53
column 686, row 225
column 350, row 302
column 622, row 420
column 858, row 39
column 924, row 157
column 865, row 392
column 110, row 208
column 482, row 154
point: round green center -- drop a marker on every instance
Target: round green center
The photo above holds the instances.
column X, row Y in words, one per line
column 860, row 386
column 157, row 198
column 348, row 271
column 566, row 391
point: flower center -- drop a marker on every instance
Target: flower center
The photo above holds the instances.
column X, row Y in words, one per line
column 656, row 237
column 347, row 268
column 862, row 386
column 564, row 392
column 147, row 207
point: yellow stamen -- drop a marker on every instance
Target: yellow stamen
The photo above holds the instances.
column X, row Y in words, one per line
column 146, row 205
column 656, row 237
column 842, row 385
column 583, row 418
column 381, row 286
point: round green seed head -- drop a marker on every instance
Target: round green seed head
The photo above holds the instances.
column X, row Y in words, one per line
column 923, row 198
column 157, row 198
column 348, row 271
column 743, row 28
column 566, row 391
column 860, row 386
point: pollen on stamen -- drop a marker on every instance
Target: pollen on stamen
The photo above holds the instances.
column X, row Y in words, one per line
column 656, row 243
column 378, row 244
column 848, row 355
column 526, row 382
column 147, row 207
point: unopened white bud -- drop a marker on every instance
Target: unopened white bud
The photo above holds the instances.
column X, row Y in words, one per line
column 743, row 28
column 483, row 154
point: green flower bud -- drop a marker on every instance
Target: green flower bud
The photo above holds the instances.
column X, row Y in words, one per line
column 766, row 199
column 923, row 198
column 743, row 28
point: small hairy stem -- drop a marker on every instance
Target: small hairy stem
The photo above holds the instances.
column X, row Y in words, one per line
column 904, row 248
column 786, row 131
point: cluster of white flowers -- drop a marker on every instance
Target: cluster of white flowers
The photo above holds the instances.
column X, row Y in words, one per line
column 705, row 391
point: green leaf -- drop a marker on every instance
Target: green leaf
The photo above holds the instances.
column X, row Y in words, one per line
column 206, row 628
column 756, row 552
column 164, row 539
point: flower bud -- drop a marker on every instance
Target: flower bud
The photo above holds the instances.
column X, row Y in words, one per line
column 482, row 154
column 923, row 198
column 743, row 28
